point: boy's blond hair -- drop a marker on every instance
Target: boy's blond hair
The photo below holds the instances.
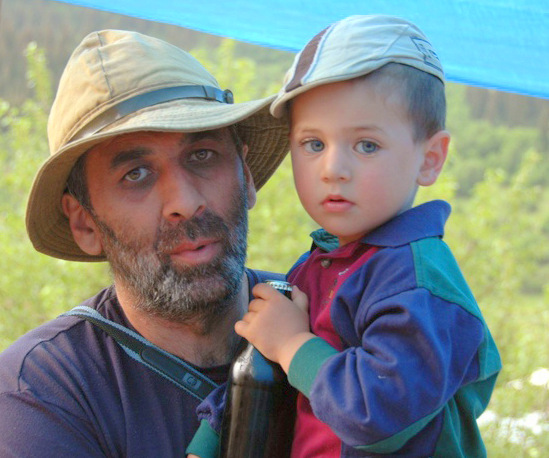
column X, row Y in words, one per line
column 422, row 94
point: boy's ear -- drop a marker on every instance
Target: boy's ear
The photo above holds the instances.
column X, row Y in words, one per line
column 83, row 228
column 435, row 152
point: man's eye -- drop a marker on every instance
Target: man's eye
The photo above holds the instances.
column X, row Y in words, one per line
column 201, row 155
column 138, row 174
column 313, row 146
column 367, row 147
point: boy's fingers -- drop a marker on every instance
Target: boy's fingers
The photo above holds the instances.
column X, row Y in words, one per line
column 249, row 316
column 255, row 305
column 300, row 299
column 240, row 327
column 262, row 290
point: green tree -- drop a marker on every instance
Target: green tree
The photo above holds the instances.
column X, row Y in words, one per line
column 279, row 227
column 33, row 287
column 237, row 73
column 482, row 145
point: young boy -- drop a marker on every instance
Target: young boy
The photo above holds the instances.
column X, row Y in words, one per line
column 394, row 356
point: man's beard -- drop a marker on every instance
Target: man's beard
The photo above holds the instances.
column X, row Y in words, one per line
column 181, row 293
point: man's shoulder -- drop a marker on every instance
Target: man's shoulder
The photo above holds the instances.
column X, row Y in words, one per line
column 69, row 387
column 258, row 276
column 50, row 346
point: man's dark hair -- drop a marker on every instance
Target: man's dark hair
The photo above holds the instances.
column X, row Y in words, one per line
column 77, row 185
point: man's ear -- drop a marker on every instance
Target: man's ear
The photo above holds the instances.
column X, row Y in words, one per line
column 252, row 195
column 84, row 230
column 434, row 156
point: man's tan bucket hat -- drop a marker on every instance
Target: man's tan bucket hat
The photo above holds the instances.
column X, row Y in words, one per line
column 118, row 82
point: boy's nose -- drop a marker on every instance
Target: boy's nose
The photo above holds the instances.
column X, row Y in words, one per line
column 181, row 197
column 336, row 166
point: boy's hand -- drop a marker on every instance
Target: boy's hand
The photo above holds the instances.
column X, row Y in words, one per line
column 276, row 325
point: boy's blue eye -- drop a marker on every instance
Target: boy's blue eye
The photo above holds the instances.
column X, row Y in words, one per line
column 313, row 146
column 367, row 147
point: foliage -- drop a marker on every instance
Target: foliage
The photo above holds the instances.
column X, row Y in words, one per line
column 482, row 145
column 238, row 73
column 33, row 287
column 499, row 221
column 279, row 227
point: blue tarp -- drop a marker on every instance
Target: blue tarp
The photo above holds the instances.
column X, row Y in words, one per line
column 499, row 44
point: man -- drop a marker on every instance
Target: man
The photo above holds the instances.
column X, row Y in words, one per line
column 153, row 168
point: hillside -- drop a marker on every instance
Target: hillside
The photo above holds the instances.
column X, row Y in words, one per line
column 59, row 27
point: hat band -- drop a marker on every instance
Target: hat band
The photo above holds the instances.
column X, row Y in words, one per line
column 149, row 99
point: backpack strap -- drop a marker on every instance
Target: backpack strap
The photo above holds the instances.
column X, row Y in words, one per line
column 160, row 361
column 168, row 366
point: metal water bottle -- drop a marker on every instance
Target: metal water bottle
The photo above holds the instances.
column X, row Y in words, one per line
column 259, row 415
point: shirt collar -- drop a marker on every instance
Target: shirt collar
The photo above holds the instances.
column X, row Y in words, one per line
column 425, row 220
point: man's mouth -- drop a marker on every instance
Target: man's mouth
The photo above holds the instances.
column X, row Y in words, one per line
column 196, row 252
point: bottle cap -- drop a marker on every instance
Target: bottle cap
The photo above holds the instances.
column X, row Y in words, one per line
column 283, row 286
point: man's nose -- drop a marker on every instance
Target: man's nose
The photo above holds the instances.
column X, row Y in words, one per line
column 181, row 196
column 336, row 165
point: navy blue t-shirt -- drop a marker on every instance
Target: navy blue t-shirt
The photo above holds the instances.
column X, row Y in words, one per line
column 68, row 389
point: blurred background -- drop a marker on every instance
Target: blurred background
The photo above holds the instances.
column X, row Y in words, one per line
column 496, row 179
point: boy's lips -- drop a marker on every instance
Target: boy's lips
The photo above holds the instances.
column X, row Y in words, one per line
column 196, row 251
column 336, row 204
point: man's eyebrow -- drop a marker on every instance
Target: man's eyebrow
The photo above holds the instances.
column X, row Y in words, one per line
column 128, row 155
column 192, row 137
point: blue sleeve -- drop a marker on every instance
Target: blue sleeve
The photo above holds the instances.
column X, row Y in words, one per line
column 415, row 352
column 205, row 442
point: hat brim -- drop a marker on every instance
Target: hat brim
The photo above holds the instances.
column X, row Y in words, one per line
column 266, row 137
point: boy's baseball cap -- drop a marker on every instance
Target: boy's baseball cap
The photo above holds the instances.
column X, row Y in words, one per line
column 353, row 47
